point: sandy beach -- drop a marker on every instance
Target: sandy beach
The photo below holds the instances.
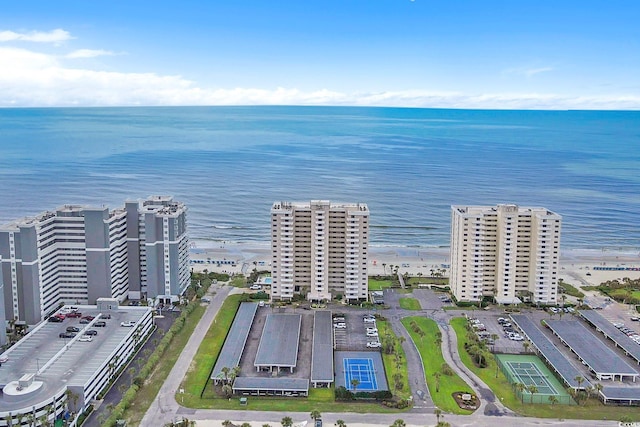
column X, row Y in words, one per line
column 577, row 266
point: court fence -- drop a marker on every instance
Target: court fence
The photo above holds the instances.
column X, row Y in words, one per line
column 525, row 396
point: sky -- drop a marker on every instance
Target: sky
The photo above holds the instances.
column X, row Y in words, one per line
column 524, row 54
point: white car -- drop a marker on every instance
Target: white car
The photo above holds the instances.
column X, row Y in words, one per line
column 372, row 334
column 369, row 320
column 86, row 338
column 255, row 287
column 340, row 325
column 4, row 359
column 374, row 344
column 128, row 324
column 372, row 329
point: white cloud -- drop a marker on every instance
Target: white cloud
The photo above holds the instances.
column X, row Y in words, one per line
column 528, row 72
column 36, row 79
column 55, row 36
column 89, row 53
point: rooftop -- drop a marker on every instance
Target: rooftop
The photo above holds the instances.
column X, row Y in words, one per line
column 279, row 341
column 60, row 362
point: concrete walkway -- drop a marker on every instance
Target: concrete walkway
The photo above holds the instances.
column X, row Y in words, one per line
column 165, row 408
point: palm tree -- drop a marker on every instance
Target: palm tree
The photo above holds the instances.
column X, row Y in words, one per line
column 234, row 373
column 245, row 425
column 553, row 399
column 227, row 390
column 494, row 338
column 354, row 384
column 225, row 370
column 315, row 414
column 436, row 377
column 384, row 267
column 520, row 387
column 598, row 387
column 340, row 423
column 399, row 423
column 226, row 423
column 532, row 389
column 8, row 420
column 286, row 422
column 526, row 345
column 438, row 413
column 266, row 425
column 579, row 380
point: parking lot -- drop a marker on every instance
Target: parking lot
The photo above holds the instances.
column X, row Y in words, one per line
column 503, row 344
column 353, row 336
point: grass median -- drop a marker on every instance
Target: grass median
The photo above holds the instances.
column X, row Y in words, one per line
column 442, row 382
column 410, row 304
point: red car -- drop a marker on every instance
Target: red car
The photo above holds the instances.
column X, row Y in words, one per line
column 89, row 317
column 61, row 316
column 74, row 314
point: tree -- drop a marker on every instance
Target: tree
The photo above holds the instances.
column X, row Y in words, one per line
column 226, row 423
column 579, row 380
column 553, row 399
column 245, row 425
column 399, row 423
column 354, row 384
column 384, row 267
column 436, row 377
column 315, row 414
column 438, row 413
column 520, row 387
column 494, row 338
column 286, row 422
column 598, row 387
column 526, row 345
column 340, row 423
column 225, row 371
column 532, row 389
column 227, row 390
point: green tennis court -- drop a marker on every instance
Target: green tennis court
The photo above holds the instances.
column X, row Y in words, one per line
column 532, row 372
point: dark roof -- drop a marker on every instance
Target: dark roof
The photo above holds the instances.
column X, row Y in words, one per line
column 548, row 349
column 279, row 341
column 269, row 384
column 612, row 332
column 600, row 358
column 322, row 354
column 622, row 393
column 236, row 338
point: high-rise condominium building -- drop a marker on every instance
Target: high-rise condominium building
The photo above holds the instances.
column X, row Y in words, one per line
column 78, row 254
column 319, row 249
column 505, row 252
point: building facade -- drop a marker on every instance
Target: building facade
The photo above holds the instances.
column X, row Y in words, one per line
column 319, row 249
column 77, row 254
column 506, row 252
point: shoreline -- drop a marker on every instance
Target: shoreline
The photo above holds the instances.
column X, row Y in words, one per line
column 576, row 265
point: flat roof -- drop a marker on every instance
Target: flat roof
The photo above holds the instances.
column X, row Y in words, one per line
column 236, row 338
column 269, row 384
column 549, row 351
column 612, row 332
column 64, row 362
column 322, row 353
column 279, row 341
column 600, row 358
column 621, row 393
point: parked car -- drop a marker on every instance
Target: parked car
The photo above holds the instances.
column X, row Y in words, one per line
column 255, row 287
column 91, row 332
column 105, row 316
column 89, row 317
column 128, row 324
column 374, row 344
column 55, row 319
column 205, row 299
column 84, row 321
column 369, row 320
column 635, row 319
column 67, row 335
column 4, row 359
column 100, row 324
column 74, row 314
column 372, row 334
column 86, row 338
column 73, row 329
column 340, row 325
column 372, row 329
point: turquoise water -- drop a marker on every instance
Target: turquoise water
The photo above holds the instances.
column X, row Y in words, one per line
column 229, row 164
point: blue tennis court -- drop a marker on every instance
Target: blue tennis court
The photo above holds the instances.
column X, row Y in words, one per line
column 361, row 370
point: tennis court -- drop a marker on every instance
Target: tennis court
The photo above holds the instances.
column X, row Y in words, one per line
column 530, row 371
column 362, row 370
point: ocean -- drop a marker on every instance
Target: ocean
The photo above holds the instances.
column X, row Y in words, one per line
column 229, row 164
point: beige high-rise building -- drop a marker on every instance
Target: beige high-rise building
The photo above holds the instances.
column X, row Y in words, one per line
column 506, row 252
column 320, row 250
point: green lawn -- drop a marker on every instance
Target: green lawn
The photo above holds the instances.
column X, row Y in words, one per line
column 432, row 361
column 152, row 385
column 390, row 366
column 593, row 409
column 198, row 374
column 410, row 304
column 440, row 281
column 378, row 285
column 571, row 290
